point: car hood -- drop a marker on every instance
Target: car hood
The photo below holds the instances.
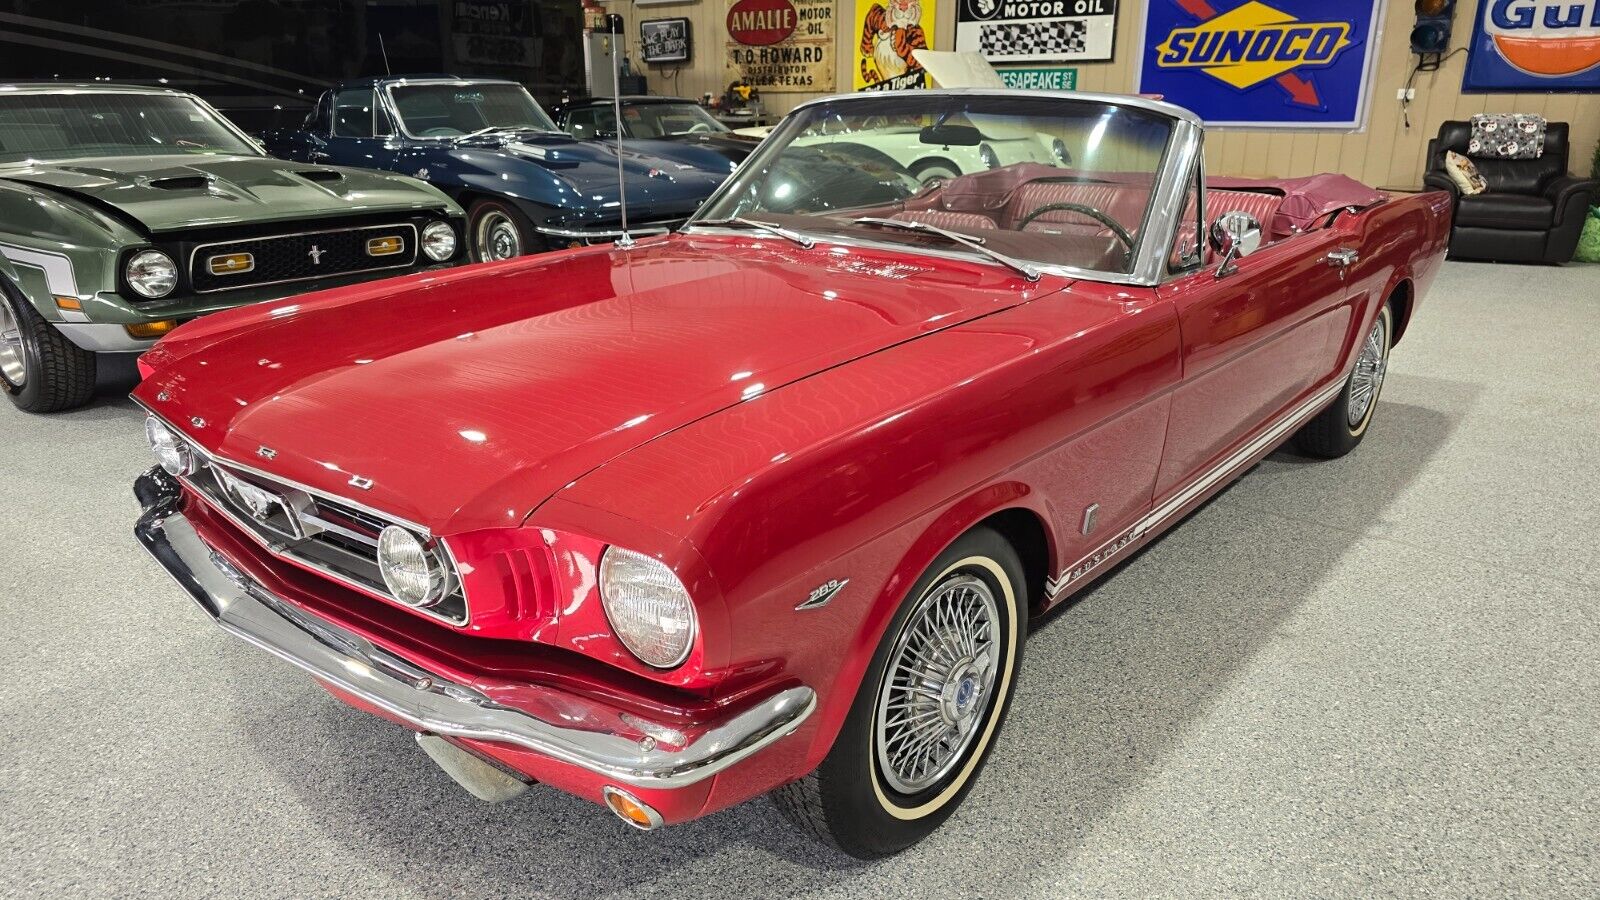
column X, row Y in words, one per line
column 180, row 191
column 711, row 151
column 467, row 398
column 590, row 167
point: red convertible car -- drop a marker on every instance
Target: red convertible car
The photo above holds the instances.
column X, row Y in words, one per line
column 767, row 504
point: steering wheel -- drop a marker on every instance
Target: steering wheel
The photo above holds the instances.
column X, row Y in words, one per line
column 699, row 128
column 1115, row 226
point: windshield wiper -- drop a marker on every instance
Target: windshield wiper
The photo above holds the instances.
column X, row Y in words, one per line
column 971, row 243
column 770, row 227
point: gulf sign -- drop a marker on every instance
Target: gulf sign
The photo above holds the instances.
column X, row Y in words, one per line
column 1535, row 45
column 1260, row 62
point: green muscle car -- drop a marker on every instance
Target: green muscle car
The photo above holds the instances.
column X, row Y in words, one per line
column 126, row 211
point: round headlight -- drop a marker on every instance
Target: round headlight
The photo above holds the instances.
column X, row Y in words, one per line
column 439, row 241
column 410, row 571
column 151, row 274
column 990, row 158
column 171, row 453
column 647, row 607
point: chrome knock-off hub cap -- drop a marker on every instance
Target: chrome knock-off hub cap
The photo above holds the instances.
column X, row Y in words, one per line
column 497, row 237
column 937, row 684
column 13, row 364
column 1368, row 375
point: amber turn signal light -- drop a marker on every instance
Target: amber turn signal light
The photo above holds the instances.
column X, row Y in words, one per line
column 385, row 246
column 146, row 330
column 72, row 303
column 631, row 809
column 231, row 263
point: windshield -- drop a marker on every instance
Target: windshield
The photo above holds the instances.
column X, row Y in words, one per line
column 452, row 110
column 59, row 126
column 1050, row 181
column 643, row 120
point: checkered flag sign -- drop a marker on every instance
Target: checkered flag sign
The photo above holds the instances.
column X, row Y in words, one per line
column 1051, row 36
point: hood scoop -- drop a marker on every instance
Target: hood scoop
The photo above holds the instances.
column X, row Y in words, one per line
column 181, row 183
column 321, row 176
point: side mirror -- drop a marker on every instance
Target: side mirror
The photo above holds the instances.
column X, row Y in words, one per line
column 1234, row 235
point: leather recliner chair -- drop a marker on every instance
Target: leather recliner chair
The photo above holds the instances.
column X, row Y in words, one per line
column 1533, row 211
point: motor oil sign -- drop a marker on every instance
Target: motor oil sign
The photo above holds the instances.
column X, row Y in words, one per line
column 1037, row 30
column 1261, row 63
column 781, row 46
column 1534, row 45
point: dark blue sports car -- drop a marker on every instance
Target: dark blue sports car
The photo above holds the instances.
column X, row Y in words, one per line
column 526, row 185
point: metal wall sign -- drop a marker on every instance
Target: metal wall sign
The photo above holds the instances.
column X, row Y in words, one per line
column 889, row 30
column 779, row 46
column 1262, row 63
column 1038, row 30
column 1534, row 45
column 1050, row 78
column 664, row 40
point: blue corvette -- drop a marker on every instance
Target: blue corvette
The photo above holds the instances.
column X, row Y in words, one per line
column 526, row 185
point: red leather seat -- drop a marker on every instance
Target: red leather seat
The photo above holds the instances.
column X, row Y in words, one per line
column 1125, row 205
column 955, row 221
column 1263, row 206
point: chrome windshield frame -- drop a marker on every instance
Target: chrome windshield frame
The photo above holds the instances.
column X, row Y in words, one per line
column 392, row 107
column 1183, row 152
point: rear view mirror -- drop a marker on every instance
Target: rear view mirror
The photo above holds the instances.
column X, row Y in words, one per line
column 951, row 135
column 1234, row 235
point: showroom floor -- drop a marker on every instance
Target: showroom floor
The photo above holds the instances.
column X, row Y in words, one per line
column 1379, row 675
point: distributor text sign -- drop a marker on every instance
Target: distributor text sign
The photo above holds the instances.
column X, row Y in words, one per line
column 781, row 45
column 1534, row 45
column 1262, row 63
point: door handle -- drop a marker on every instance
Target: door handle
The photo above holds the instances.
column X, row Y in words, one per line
column 1343, row 258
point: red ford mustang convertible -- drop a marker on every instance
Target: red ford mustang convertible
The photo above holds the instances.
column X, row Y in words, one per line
column 766, row 505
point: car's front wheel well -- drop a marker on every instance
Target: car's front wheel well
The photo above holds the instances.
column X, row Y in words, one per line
column 1025, row 532
column 1400, row 300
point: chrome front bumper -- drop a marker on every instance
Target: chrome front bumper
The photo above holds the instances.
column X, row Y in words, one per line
column 429, row 702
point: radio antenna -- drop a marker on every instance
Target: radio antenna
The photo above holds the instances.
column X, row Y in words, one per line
column 615, row 21
column 385, row 51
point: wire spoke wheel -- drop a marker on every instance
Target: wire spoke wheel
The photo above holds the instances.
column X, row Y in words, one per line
column 1367, row 378
column 937, row 684
column 13, row 358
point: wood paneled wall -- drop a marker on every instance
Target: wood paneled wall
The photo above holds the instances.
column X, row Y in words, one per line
column 1385, row 153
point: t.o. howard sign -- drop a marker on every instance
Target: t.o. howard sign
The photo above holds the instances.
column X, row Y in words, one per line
column 781, row 45
column 1025, row 30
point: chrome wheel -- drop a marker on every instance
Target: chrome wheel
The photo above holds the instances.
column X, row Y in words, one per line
column 937, row 684
column 1367, row 378
column 13, row 359
column 497, row 237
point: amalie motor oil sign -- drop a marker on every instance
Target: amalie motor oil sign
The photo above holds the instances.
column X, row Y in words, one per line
column 782, row 45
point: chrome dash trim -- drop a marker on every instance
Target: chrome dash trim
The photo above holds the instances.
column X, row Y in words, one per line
column 1193, row 490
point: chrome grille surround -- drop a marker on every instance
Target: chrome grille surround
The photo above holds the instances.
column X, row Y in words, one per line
column 332, row 536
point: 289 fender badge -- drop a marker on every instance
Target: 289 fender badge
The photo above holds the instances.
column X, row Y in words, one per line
column 266, row 452
column 823, row 593
column 361, row 481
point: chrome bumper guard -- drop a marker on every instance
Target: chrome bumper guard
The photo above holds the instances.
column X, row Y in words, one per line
column 429, row 702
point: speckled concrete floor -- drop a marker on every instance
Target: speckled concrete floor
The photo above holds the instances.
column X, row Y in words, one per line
column 1375, row 676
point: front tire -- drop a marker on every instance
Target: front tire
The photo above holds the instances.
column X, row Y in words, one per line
column 497, row 230
column 928, row 710
column 1339, row 428
column 40, row 370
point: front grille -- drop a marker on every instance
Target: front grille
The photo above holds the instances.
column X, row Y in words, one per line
column 277, row 259
column 333, row 538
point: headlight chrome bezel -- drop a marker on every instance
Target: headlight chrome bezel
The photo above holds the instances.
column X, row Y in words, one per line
column 436, row 233
column 173, row 454
column 622, row 574
column 399, row 548
column 138, row 280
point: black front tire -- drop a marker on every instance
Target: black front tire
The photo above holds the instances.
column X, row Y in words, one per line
column 1339, row 428
column 56, row 373
column 848, row 801
column 498, row 230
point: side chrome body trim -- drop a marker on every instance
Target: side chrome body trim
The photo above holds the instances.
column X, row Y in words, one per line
column 437, row 705
column 1193, row 490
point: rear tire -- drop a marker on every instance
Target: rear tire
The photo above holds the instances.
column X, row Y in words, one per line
column 1339, row 428
column 40, row 370
column 929, row 707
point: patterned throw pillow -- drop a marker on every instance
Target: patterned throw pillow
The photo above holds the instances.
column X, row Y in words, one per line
column 1464, row 174
column 1506, row 136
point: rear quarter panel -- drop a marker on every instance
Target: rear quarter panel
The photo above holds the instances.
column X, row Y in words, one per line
column 1402, row 244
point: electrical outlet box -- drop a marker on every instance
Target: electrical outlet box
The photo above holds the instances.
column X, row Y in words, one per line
column 1405, row 94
